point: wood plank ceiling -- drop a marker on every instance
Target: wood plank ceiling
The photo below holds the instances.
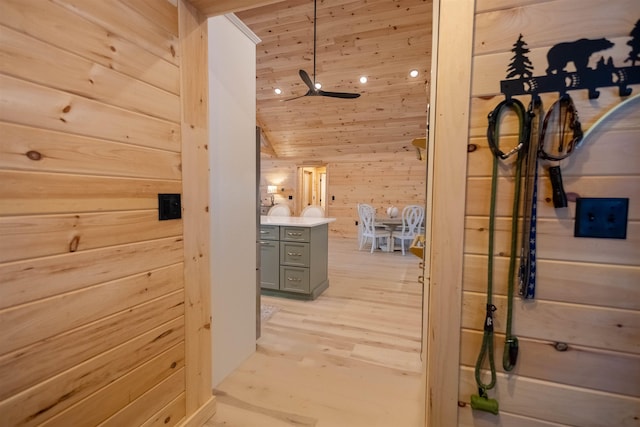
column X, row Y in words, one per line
column 380, row 39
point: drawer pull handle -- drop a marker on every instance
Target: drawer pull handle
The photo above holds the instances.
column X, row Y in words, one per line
column 292, row 234
column 266, row 243
column 294, row 254
column 294, row 279
column 264, row 232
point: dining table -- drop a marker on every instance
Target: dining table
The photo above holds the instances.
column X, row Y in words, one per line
column 391, row 222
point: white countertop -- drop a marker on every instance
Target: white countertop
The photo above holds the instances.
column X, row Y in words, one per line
column 298, row 221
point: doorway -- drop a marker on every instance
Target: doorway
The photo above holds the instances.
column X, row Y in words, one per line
column 312, row 186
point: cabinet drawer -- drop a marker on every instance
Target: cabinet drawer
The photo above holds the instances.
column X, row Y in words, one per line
column 269, row 232
column 294, row 254
column 294, row 279
column 294, row 234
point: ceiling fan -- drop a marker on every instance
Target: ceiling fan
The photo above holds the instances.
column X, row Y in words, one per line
column 313, row 90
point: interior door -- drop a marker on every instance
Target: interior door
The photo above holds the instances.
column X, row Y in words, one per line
column 308, row 188
column 323, row 190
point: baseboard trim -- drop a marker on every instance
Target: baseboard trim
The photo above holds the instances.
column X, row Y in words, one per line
column 202, row 415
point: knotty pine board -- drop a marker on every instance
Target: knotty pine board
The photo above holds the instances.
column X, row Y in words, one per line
column 609, row 285
column 172, row 414
column 624, row 186
column 29, row 193
column 524, row 399
column 577, row 366
column 45, row 235
column 604, row 153
column 162, row 14
column 117, row 18
column 585, row 325
column 539, row 23
column 33, row 364
column 41, row 63
column 34, row 105
column 68, row 311
column 150, row 403
column 50, row 397
column 61, row 152
column 89, row 40
column 122, row 392
column 467, row 417
column 555, row 241
column 73, row 271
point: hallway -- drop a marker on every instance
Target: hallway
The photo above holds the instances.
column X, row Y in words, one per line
column 350, row 358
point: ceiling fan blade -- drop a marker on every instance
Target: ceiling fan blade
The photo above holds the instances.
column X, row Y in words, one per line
column 343, row 95
column 305, row 78
column 309, row 93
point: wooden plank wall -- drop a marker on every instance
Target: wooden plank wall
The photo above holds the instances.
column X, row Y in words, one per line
column 282, row 173
column 92, row 287
column 381, row 180
column 587, row 292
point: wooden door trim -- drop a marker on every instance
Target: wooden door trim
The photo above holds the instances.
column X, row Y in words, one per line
column 200, row 403
column 453, row 49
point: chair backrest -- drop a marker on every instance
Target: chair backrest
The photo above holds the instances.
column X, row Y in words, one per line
column 313, row 210
column 279, row 210
column 412, row 218
column 367, row 215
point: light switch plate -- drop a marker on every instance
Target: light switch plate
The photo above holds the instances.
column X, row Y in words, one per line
column 169, row 207
column 604, row 218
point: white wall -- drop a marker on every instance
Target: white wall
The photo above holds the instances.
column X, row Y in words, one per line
column 232, row 117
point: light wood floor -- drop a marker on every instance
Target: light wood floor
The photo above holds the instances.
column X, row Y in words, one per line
column 350, row 358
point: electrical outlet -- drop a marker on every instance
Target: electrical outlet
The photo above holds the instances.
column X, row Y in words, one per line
column 604, row 218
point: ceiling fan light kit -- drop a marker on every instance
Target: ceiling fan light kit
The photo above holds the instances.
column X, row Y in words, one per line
column 314, row 88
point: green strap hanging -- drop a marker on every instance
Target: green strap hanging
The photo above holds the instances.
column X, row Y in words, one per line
column 482, row 401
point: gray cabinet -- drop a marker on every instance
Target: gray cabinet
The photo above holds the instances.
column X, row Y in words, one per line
column 270, row 257
column 299, row 267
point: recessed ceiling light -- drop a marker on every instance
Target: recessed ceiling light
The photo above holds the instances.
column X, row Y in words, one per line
column 318, row 85
column 413, row 73
column 277, row 91
column 363, row 79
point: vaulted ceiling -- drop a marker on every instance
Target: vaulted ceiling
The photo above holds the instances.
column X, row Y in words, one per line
column 380, row 39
